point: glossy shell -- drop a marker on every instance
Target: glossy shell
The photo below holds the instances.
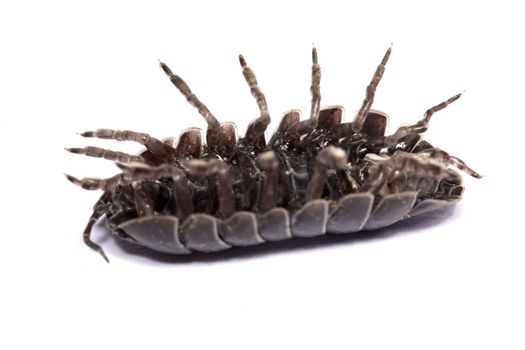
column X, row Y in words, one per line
column 205, row 233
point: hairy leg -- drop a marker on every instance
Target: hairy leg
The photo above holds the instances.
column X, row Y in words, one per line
column 446, row 158
column 155, row 146
column 421, row 126
column 307, row 126
column 259, row 125
column 360, row 118
column 131, row 172
column 97, row 152
column 213, row 123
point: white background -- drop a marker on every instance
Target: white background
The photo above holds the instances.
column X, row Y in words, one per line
column 446, row 282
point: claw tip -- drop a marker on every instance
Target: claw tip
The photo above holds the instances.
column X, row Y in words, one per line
column 72, row 150
column 71, row 178
column 387, row 56
column 104, row 255
column 165, row 68
column 242, row 61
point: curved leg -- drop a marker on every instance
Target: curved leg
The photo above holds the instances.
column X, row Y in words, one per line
column 225, row 193
column 99, row 210
column 129, row 174
column 421, row 126
column 376, row 180
column 387, row 171
column 329, row 157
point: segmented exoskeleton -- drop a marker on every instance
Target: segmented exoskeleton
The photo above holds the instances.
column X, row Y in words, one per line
column 313, row 176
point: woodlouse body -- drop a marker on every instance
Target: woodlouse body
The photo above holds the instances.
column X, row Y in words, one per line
column 312, row 177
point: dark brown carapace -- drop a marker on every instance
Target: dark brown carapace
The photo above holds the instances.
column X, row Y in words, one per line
column 313, row 176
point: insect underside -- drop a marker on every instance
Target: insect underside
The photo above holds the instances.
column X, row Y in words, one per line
column 313, row 176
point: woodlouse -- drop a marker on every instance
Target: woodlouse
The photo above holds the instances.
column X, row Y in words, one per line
column 312, row 177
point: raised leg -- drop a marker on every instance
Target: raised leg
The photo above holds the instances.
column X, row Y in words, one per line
column 360, row 118
column 315, row 90
column 421, row 126
column 155, row 146
column 436, row 108
column 99, row 210
column 307, row 126
column 259, row 125
column 329, row 157
column 213, row 123
column 97, row 152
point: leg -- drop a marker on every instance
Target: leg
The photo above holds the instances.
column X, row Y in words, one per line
column 307, row 126
column 444, row 157
column 421, row 126
column 98, row 211
column 155, row 146
column 315, row 90
column 268, row 162
column 359, row 119
column 213, row 123
column 225, row 191
column 225, row 194
column 259, row 125
column 436, row 108
column 130, row 173
column 376, row 180
column 329, row 157
column 133, row 175
column 106, row 154
column 183, row 197
column 392, row 171
column 89, row 183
